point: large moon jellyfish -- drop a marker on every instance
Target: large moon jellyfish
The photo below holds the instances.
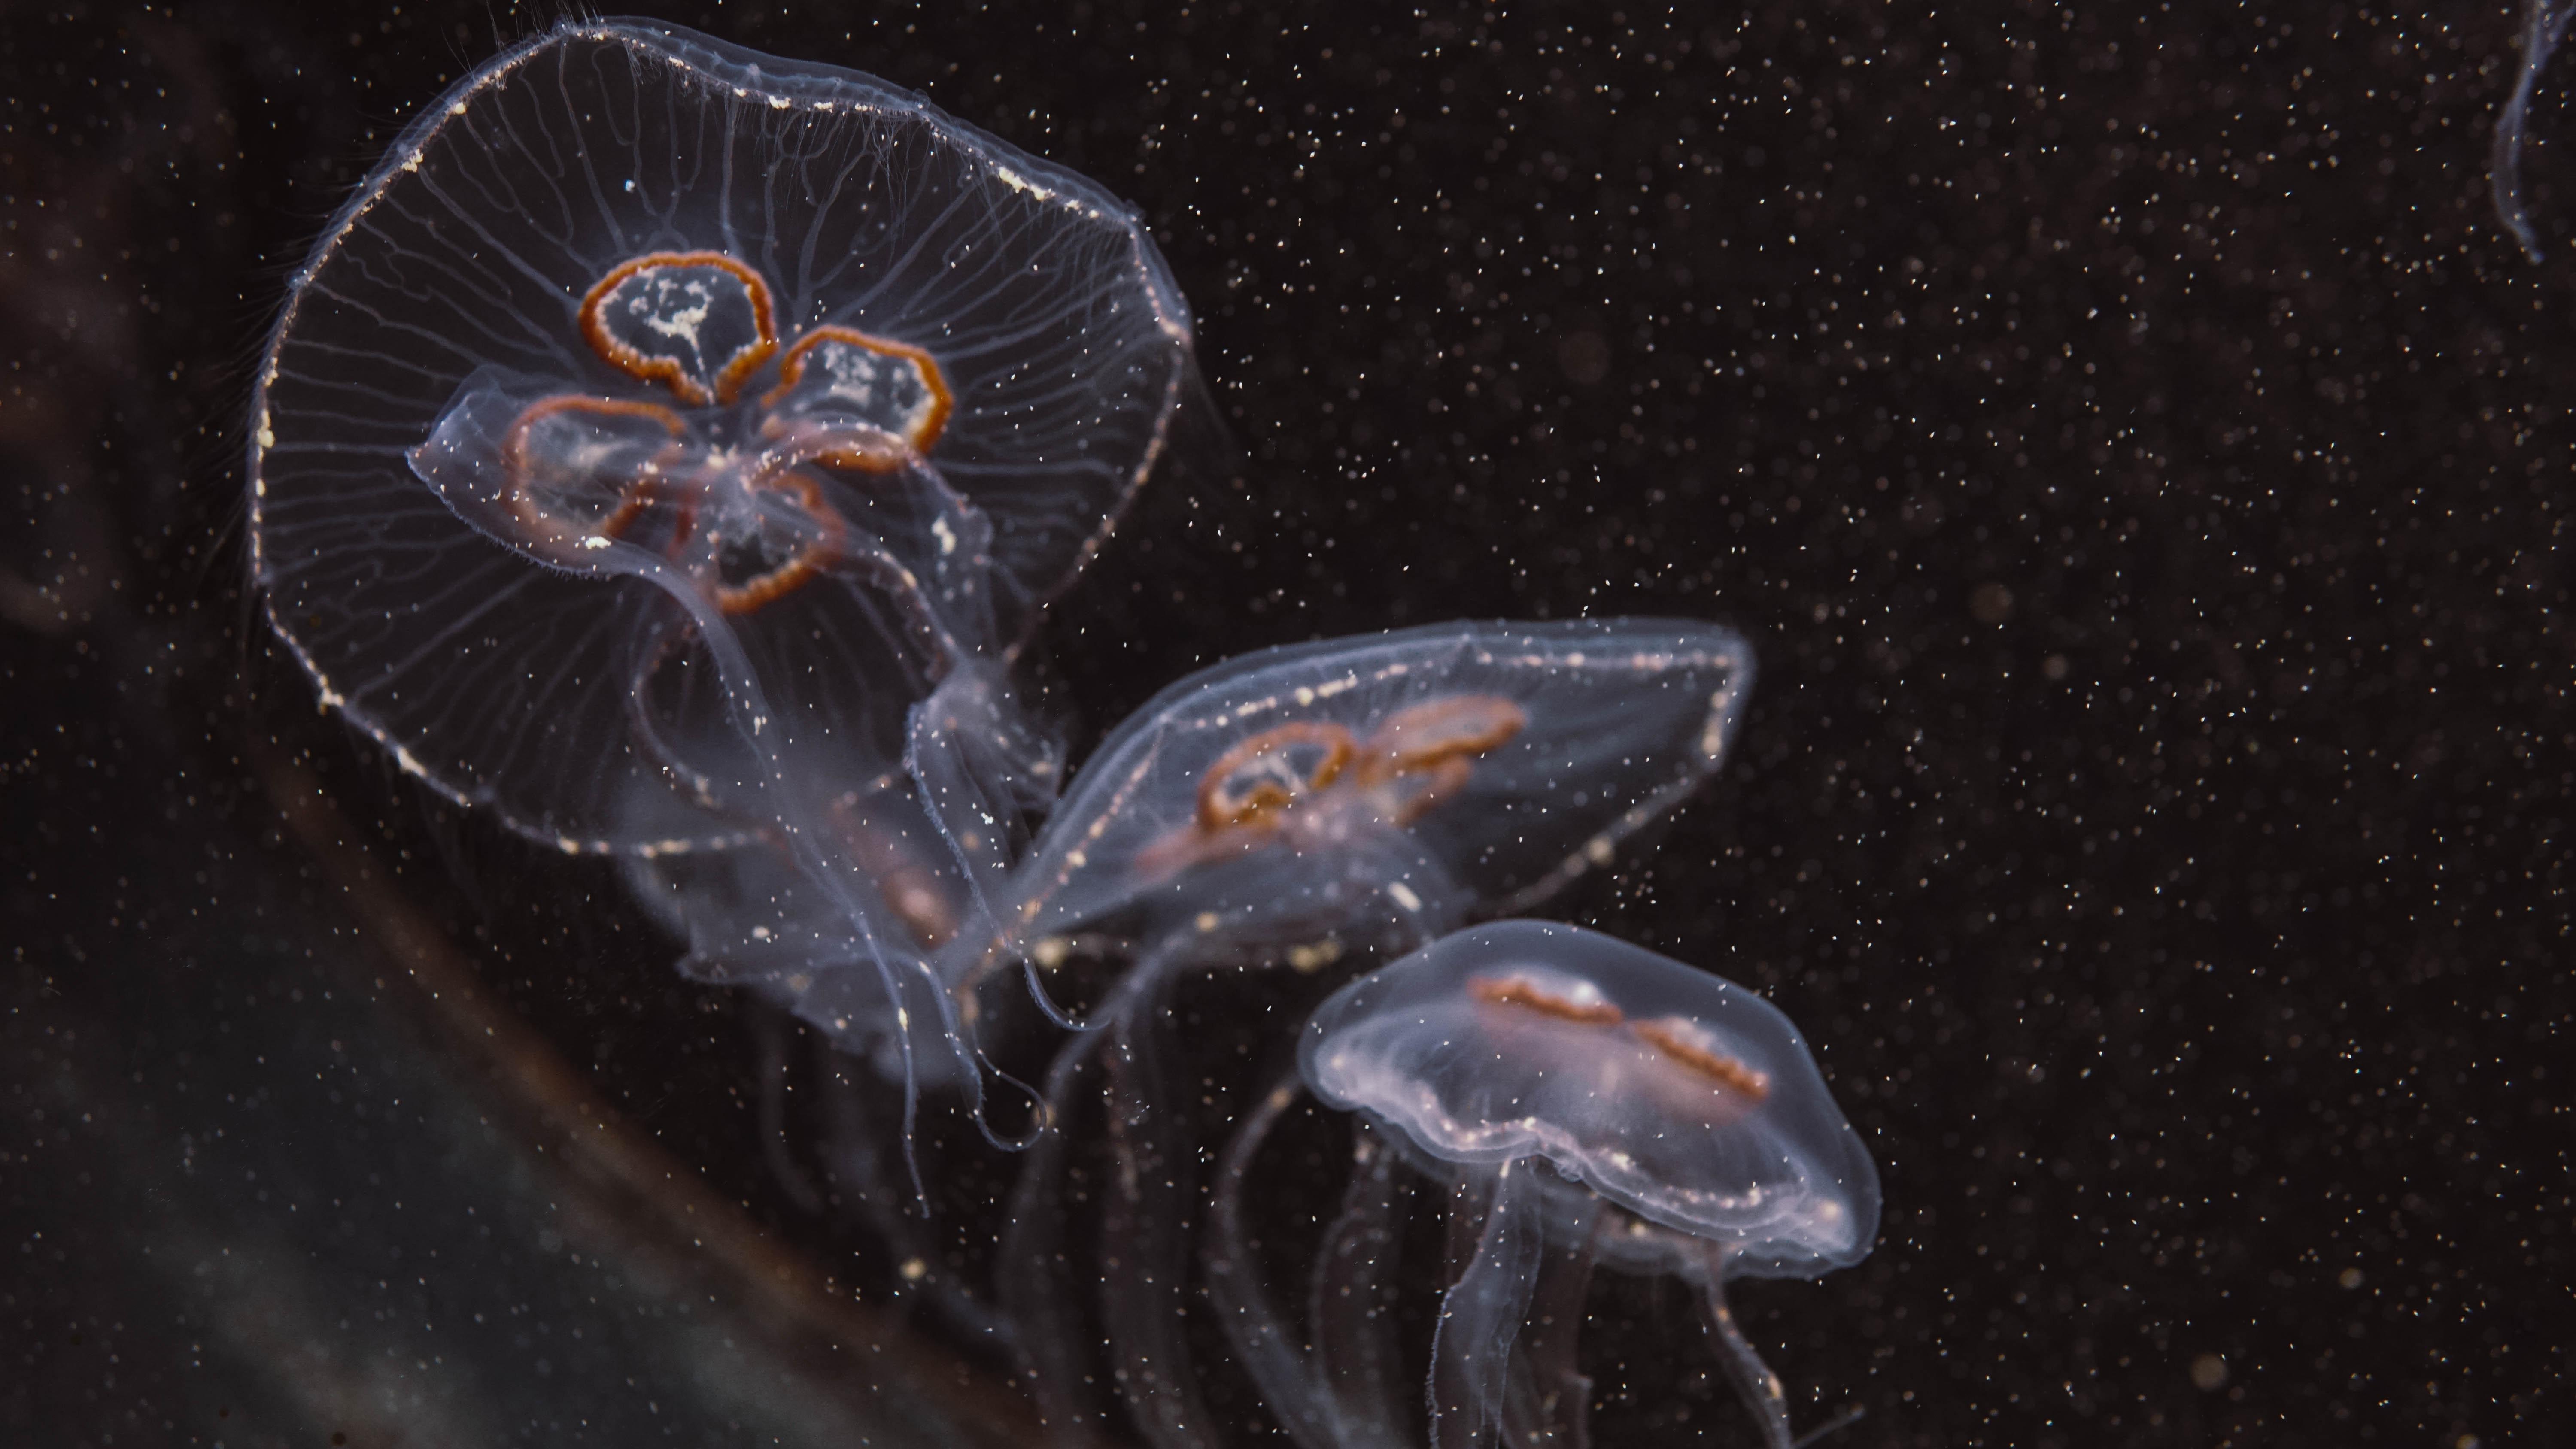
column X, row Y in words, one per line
column 669, row 448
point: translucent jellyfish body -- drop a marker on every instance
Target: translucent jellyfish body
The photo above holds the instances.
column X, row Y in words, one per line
column 1585, row 1101
column 1419, row 773
column 637, row 339
column 1358, row 793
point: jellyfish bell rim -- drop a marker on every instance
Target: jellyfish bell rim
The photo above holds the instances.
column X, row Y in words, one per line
column 1579, row 1216
column 1836, row 1181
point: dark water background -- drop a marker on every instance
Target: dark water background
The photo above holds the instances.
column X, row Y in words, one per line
column 2137, row 454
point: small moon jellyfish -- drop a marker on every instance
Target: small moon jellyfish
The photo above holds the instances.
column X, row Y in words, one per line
column 1363, row 793
column 1415, row 771
column 1585, row 1101
column 671, row 445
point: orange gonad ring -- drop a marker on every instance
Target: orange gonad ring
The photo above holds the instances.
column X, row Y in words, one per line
column 922, row 423
column 634, row 494
column 723, row 379
column 1223, row 803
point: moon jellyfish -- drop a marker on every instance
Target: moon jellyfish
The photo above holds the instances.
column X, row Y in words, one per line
column 1585, row 1102
column 1349, row 795
column 2544, row 28
column 668, row 448
column 1416, row 771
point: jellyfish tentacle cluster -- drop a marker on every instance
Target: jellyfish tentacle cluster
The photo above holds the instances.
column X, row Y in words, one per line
column 669, row 451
